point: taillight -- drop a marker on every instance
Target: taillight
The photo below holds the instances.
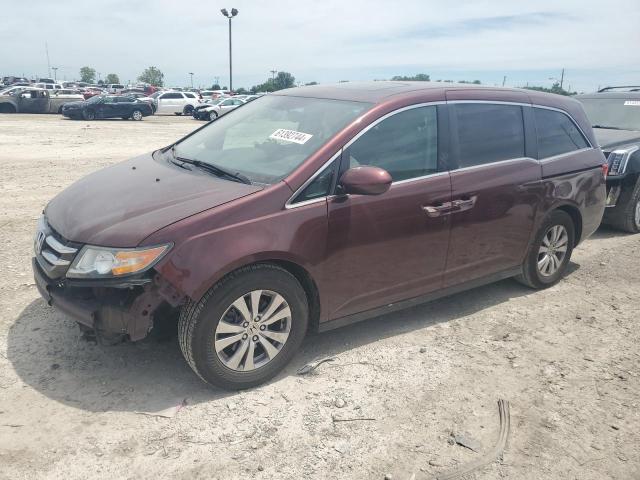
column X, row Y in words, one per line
column 605, row 169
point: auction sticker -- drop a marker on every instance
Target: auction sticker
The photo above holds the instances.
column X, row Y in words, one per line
column 291, row 136
column 635, row 103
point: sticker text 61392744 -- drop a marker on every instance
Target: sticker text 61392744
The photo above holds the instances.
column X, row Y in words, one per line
column 290, row 136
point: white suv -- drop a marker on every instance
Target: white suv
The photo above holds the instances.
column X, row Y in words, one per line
column 177, row 102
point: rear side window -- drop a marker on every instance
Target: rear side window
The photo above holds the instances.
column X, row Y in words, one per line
column 557, row 134
column 404, row 144
column 167, row 96
column 488, row 133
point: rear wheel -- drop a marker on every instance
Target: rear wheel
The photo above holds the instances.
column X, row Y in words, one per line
column 136, row 115
column 550, row 252
column 626, row 214
column 177, row 113
column 246, row 328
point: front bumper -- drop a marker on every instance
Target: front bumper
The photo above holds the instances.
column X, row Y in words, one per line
column 125, row 307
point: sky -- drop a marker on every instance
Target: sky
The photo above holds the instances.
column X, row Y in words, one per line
column 597, row 43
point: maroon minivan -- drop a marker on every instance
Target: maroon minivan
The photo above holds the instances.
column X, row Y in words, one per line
column 316, row 207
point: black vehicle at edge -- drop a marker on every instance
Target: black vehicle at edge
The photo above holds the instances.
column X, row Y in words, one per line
column 615, row 115
column 108, row 106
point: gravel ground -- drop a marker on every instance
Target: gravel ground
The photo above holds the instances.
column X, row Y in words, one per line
column 567, row 359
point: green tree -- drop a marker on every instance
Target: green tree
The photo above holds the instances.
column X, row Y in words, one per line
column 152, row 76
column 284, row 80
column 241, row 91
column 555, row 88
column 216, row 86
column 420, row 77
column 87, row 75
column 112, row 78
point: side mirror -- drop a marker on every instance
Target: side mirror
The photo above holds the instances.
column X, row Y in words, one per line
column 365, row 180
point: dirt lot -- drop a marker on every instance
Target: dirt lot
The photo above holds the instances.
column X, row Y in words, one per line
column 567, row 359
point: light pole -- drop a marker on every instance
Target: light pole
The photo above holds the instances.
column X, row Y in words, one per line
column 191, row 73
column 55, row 73
column 234, row 12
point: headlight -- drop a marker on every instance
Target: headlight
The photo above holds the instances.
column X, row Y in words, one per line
column 101, row 262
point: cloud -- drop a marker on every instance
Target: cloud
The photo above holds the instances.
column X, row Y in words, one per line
column 325, row 41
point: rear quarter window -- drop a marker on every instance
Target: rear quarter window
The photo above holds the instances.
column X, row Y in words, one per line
column 556, row 133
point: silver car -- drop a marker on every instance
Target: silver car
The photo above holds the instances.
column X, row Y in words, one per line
column 215, row 111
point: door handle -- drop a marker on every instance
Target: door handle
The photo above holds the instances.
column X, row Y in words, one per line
column 465, row 204
column 438, row 210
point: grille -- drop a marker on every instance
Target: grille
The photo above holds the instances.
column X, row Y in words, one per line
column 53, row 253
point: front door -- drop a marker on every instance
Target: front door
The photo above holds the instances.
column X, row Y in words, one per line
column 391, row 247
column 33, row 101
column 495, row 189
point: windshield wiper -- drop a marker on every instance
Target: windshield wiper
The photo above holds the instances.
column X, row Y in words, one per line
column 209, row 167
column 606, row 126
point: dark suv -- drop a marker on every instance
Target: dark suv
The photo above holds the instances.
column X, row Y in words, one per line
column 316, row 207
column 615, row 116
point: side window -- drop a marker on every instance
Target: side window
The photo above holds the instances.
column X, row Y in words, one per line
column 404, row 144
column 189, row 95
column 168, row 96
column 319, row 187
column 227, row 103
column 557, row 134
column 488, row 133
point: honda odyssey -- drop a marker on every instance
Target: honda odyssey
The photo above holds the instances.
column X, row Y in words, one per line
column 317, row 207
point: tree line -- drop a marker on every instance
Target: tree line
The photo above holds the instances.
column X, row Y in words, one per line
column 153, row 76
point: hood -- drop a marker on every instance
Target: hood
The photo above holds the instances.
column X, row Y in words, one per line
column 121, row 205
column 608, row 138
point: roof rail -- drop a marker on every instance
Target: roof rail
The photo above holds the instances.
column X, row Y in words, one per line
column 605, row 89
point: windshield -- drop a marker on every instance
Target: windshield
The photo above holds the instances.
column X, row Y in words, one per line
column 613, row 112
column 267, row 139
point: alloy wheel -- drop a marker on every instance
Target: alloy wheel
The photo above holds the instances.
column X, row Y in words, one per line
column 253, row 330
column 136, row 115
column 553, row 250
column 636, row 216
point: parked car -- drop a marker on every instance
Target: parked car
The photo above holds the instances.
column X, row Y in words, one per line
column 615, row 116
column 217, row 109
column 91, row 92
column 107, row 106
column 114, row 88
column 14, row 81
column 68, row 94
column 48, row 85
column 178, row 103
column 143, row 98
column 31, row 100
column 317, row 207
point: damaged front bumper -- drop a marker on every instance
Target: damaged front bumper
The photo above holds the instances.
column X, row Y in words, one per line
column 124, row 306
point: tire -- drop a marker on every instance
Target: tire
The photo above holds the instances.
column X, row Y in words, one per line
column 188, row 110
column 89, row 115
column 532, row 275
column 136, row 115
column 199, row 323
column 212, row 116
column 625, row 215
column 177, row 114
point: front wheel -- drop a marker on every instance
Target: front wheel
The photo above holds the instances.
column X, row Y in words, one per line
column 626, row 214
column 188, row 110
column 89, row 115
column 550, row 252
column 136, row 115
column 212, row 116
column 246, row 328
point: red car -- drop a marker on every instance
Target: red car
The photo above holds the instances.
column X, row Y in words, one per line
column 321, row 206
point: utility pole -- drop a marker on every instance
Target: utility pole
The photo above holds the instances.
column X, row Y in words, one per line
column 55, row 73
column 562, row 78
column 46, row 48
column 273, row 74
column 191, row 73
column 217, row 80
column 234, row 12
column 504, row 80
